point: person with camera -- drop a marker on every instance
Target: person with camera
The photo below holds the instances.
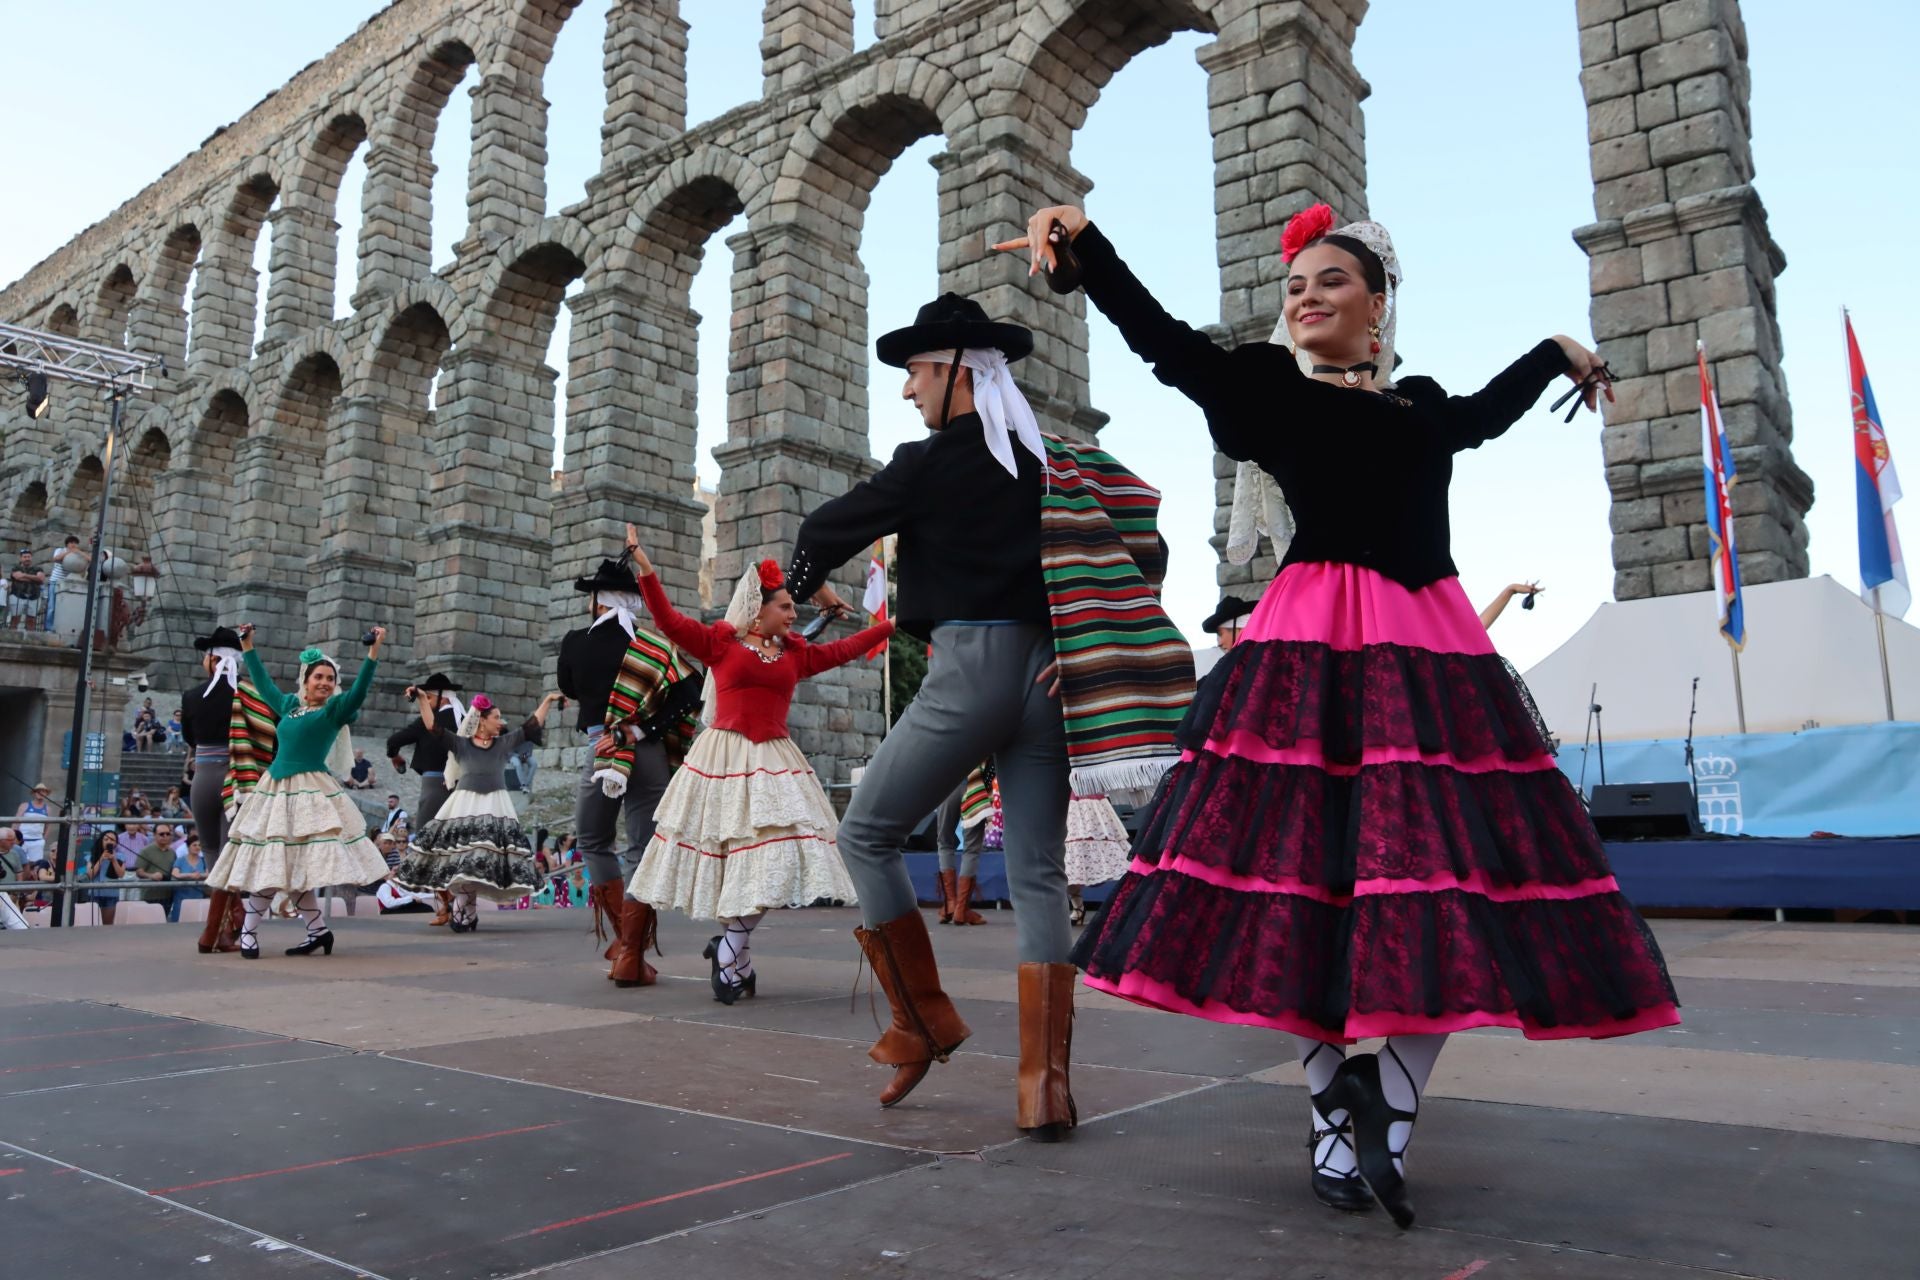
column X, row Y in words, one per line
column 298, row 832
column 105, row 868
column 745, row 827
column 475, row 846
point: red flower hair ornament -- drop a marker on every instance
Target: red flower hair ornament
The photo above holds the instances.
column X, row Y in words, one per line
column 772, row 578
column 1303, row 228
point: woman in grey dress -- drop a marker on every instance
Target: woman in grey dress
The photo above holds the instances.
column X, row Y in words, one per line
column 475, row 846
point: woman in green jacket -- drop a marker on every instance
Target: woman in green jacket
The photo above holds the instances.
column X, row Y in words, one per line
column 298, row 831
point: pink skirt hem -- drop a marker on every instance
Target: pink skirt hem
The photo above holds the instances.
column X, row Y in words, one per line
column 1345, row 606
column 1378, row 886
column 1247, row 746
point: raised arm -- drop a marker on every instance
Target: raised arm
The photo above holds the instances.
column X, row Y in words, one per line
column 257, row 672
column 839, row 529
column 1472, row 420
column 693, row 638
column 815, row 658
column 345, row 707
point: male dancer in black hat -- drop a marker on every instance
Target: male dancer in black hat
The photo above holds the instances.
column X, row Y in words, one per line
column 969, row 581
column 206, row 716
column 429, row 760
column 613, row 649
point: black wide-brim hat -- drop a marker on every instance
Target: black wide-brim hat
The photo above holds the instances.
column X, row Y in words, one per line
column 222, row 638
column 948, row 322
column 1232, row 609
column 438, row 683
column 610, row 576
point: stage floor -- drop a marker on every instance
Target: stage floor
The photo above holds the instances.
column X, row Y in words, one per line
column 426, row 1105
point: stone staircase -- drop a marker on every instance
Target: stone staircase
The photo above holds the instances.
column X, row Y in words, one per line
column 152, row 772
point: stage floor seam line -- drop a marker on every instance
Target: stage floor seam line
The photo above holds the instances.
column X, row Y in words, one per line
column 166, row 1075
column 242, row 1227
column 684, row 1111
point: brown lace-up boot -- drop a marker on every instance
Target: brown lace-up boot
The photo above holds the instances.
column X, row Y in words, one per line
column 926, row 1027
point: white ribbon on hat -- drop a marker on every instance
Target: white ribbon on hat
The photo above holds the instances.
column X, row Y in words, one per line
column 622, row 607
column 1003, row 410
column 226, row 667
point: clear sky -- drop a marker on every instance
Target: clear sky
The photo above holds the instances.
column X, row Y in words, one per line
column 1476, row 146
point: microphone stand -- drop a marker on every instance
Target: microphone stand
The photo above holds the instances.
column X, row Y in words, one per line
column 1587, row 740
column 1693, row 783
column 1600, row 741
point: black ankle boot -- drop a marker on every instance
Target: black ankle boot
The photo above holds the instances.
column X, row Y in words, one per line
column 322, row 941
column 1373, row 1116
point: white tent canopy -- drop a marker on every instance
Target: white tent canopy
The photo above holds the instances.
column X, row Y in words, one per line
column 1811, row 655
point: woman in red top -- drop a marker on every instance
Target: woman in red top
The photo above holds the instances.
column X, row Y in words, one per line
column 744, row 826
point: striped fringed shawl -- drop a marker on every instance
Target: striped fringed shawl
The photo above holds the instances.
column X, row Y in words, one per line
column 976, row 802
column 253, row 736
column 1126, row 672
column 650, row 667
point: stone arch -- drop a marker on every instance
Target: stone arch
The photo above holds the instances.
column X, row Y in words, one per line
column 520, row 296
column 306, row 232
column 670, row 223
column 160, row 320
column 396, row 234
column 80, row 499
column 408, row 342
column 317, row 362
column 1074, row 47
column 112, row 306
column 63, row 319
column 862, row 126
column 147, row 459
column 27, row 516
column 214, row 442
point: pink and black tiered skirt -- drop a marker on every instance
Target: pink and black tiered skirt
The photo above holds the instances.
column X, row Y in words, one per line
column 1366, row 836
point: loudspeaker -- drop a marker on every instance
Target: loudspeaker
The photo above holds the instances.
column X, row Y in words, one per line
column 1644, row 811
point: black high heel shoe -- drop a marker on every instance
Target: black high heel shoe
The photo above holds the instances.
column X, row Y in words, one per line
column 315, row 942
column 724, row 991
column 1373, row 1117
column 250, row 952
column 1346, row 1192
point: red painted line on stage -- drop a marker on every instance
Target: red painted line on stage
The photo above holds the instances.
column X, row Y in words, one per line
column 371, row 1155
column 96, row 1031
column 677, row 1195
column 8, row 1173
column 137, row 1057
column 1473, row 1268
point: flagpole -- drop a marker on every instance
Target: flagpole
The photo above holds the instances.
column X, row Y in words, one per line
column 886, row 656
column 1886, row 676
column 1739, row 696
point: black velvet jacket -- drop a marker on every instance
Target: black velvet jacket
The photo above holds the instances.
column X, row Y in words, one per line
column 205, row 717
column 969, row 548
column 590, row 660
column 1365, row 473
column 429, row 753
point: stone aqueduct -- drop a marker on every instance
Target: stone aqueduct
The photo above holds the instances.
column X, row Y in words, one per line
column 312, row 483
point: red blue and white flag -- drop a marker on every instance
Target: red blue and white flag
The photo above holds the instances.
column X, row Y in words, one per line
column 1723, row 557
column 1883, row 573
column 875, row 599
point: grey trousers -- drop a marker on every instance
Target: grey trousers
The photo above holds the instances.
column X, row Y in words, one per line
column 595, row 813
column 433, row 794
column 980, row 698
column 203, row 798
column 951, row 847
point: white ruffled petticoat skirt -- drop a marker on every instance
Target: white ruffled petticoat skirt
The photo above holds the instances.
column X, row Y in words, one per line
column 296, row 834
column 743, row 827
column 1097, row 844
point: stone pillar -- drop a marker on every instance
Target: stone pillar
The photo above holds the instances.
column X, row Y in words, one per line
column 482, row 592
column 396, row 231
column 363, row 574
column 629, row 447
column 800, row 37
column 1680, row 253
column 300, row 268
column 189, row 544
column 223, row 301
column 274, row 525
column 646, row 75
column 987, row 191
column 796, row 436
column 507, row 189
column 1283, row 105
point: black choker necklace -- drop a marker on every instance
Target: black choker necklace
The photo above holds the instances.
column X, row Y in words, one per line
column 1349, row 374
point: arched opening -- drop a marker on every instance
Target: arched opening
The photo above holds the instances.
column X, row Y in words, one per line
column 137, row 508
column 28, row 518
column 901, row 227
column 274, row 526
column 349, row 209
column 443, row 147
column 113, row 307
column 216, row 437
column 80, row 505
column 576, row 86
column 165, row 324
column 227, row 316
column 63, row 320
column 1162, row 216
column 306, row 282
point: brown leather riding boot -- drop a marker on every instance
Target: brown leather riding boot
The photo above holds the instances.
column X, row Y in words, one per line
column 638, row 924
column 1044, row 1102
column 218, row 932
column 926, row 1027
column 946, row 896
column 962, row 903
column 443, row 907
column 605, row 901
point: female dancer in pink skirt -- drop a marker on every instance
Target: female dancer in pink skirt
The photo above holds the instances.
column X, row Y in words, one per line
column 1366, row 836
